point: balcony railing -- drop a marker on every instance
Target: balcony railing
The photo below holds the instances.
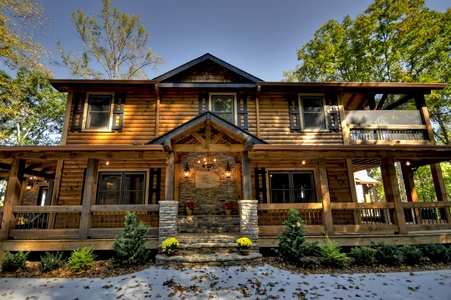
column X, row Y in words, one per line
column 393, row 125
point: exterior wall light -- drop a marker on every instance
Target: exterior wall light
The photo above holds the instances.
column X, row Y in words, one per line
column 186, row 171
column 228, row 171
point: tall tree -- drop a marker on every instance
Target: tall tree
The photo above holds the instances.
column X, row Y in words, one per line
column 18, row 20
column 31, row 111
column 116, row 41
column 392, row 40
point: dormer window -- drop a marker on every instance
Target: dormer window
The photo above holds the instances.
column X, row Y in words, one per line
column 97, row 111
column 231, row 107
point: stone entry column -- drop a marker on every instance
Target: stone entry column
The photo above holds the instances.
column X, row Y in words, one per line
column 168, row 220
column 249, row 219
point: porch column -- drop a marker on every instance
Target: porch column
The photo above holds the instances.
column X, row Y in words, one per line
column 12, row 197
column 246, row 174
column 411, row 191
column 170, row 176
column 325, row 196
column 88, row 197
column 249, row 219
column 440, row 190
column 391, row 191
column 168, row 220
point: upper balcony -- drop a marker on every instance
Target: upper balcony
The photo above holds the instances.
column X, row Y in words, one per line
column 386, row 126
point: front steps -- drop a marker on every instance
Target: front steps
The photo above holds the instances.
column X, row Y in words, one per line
column 209, row 249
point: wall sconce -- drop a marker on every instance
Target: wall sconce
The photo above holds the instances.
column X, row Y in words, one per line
column 228, row 171
column 186, row 170
column 30, row 182
column 407, row 163
column 303, row 162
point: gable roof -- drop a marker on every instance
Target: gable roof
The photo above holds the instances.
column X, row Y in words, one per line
column 207, row 57
column 207, row 116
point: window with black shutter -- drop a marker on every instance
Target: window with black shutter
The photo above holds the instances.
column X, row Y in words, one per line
column 308, row 112
column 121, row 188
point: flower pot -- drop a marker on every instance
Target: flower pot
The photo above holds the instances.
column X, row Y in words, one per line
column 244, row 251
column 228, row 212
column 172, row 253
column 189, row 212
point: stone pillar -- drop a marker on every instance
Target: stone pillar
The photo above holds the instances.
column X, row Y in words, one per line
column 249, row 219
column 168, row 220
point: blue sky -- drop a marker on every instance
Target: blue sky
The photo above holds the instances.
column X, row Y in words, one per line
column 257, row 36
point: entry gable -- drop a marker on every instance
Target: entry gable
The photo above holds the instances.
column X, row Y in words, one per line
column 206, row 69
column 207, row 132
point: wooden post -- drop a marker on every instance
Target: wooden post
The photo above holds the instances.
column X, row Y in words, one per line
column 344, row 125
column 422, row 107
column 12, row 197
column 411, row 191
column 246, row 175
column 170, row 175
column 325, row 195
column 440, row 190
column 392, row 194
column 88, row 198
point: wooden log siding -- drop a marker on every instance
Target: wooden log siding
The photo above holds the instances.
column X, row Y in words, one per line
column 138, row 124
column 177, row 109
column 275, row 125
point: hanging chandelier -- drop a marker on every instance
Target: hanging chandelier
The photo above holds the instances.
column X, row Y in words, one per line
column 207, row 163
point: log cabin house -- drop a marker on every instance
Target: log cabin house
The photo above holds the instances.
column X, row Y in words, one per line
column 210, row 133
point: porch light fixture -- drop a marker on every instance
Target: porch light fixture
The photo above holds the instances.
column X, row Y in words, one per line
column 407, row 163
column 107, row 163
column 228, row 171
column 30, row 182
column 186, row 170
column 207, row 163
column 303, row 161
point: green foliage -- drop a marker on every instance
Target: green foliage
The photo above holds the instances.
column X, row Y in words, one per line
column 390, row 255
column 31, row 111
column 81, row 259
column 116, row 41
column 331, row 253
column 12, row 262
column 308, row 249
column 437, row 252
column 292, row 237
column 51, row 261
column 129, row 245
column 412, row 254
column 363, row 255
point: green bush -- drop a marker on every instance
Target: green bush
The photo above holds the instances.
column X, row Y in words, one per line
column 412, row 255
column 292, row 237
column 331, row 254
column 128, row 245
column 308, row 249
column 12, row 262
column 390, row 255
column 437, row 252
column 363, row 255
column 51, row 261
column 81, row 259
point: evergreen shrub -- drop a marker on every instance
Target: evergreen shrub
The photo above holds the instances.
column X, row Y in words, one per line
column 81, row 259
column 390, row 255
column 12, row 262
column 363, row 255
column 437, row 252
column 412, row 254
column 292, row 237
column 129, row 245
column 51, row 261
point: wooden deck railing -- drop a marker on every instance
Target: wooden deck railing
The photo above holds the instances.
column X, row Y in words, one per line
column 361, row 218
column 387, row 132
column 63, row 222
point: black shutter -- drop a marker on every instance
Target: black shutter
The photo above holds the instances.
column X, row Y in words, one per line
column 332, row 117
column 203, row 103
column 293, row 108
column 242, row 112
column 78, row 104
column 118, row 111
column 154, row 186
column 260, row 185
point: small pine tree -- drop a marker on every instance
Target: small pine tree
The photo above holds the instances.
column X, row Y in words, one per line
column 129, row 246
column 292, row 237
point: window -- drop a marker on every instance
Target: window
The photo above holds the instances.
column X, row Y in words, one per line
column 228, row 106
column 313, row 115
column 292, row 187
column 222, row 106
column 308, row 112
column 99, row 111
column 121, row 188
